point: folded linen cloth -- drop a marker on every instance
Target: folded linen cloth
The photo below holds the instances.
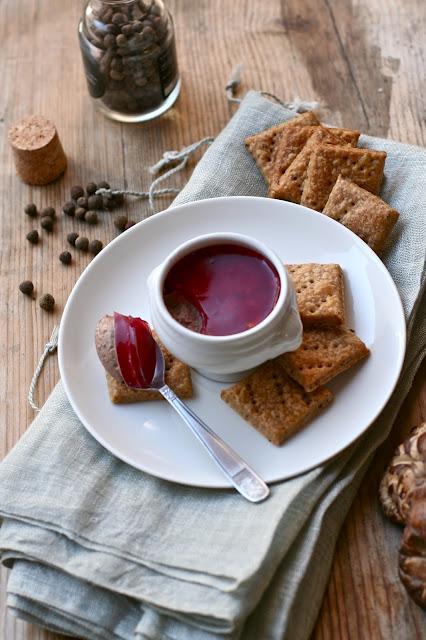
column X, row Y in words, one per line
column 103, row 551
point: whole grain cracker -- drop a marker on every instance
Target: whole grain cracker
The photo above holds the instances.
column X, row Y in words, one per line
column 289, row 186
column 273, row 403
column 350, row 136
column 320, row 293
column 177, row 377
column 323, row 354
column 288, row 145
column 261, row 144
column 327, row 162
column 362, row 212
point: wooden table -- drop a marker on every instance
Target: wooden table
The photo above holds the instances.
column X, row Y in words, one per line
column 363, row 61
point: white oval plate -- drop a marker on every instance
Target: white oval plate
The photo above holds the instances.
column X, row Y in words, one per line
column 149, row 435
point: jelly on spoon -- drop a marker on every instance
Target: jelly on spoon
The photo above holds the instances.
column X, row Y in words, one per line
column 128, row 351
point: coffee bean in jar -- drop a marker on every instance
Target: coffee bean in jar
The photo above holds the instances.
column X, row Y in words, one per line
column 129, row 55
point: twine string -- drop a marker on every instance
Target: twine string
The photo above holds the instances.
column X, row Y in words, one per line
column 49, row 348
column 169, row 157
column 233, row 83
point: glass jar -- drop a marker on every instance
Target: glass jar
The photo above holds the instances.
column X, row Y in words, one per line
column 129, row 55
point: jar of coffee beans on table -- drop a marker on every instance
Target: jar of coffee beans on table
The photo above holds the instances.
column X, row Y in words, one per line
column 129, row 55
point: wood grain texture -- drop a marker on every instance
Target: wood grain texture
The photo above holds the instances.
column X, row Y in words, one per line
column 364, row 60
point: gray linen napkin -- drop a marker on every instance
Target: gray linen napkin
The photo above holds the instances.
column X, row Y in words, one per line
column 103, row 551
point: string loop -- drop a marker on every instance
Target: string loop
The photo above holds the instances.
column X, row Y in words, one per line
column 50, row 347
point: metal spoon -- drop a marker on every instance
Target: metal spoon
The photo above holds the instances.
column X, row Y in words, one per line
column 239, row 473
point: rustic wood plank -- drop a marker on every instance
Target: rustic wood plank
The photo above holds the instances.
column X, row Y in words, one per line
column 364, row 61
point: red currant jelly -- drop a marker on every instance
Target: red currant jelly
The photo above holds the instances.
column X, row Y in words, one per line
column 136, row 351
column 221, row 289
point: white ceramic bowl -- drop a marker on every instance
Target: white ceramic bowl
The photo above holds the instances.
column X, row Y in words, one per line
column 227, row 358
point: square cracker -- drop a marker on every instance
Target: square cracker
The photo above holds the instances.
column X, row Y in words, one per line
column 177, row 376
column 347, row 135
column 324, row 354
column 291, row 142
column 327, row 162
column 287, row 146
column 273, row 403
column 362, row 212
column 289, row 186
column 320, row 293
column 261, row 144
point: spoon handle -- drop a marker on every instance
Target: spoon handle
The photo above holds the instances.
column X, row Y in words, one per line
column 244, row 479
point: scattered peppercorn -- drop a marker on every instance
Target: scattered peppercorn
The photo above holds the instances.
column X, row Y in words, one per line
column 118, row 199
column 72, row 237
column 33, row 236
column 95, row 202
column 129, row 223
column 91, row 188
column 49, row 212
column 26, row 287
column 82, row 243
column 82, row 202
column 80, row 213
column 77, row 192
column 91, row 217
column 46, row 223
column 69, row 208
column 47, row 302
column 107, row 201
column 120, row 222
column 65, row 257
column 103, row 184
column 95, row 247
column 31, row 210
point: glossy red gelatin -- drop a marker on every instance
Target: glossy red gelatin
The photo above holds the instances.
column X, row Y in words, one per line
column 221, row 289
column 135, row 349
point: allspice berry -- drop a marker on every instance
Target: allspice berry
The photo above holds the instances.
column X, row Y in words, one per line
column 118, row 199
column 120, row 222
column 95, row 202
column 121, row 40
column 48, row 211
column 26, row 287
column 103, row 184
column 118, row 18
column 31, row 210
column 65, row 257
column 91, row 217
column 69, row 208
column 47, row 302
column 91, row 188
column 82, row 202
column 82, row 243
column 47, row 223
column 77, row 192
column 80, row 213
column 33, row 236
column 72, row 237
column 129, row 223
column 107, row 201
column 95, row 247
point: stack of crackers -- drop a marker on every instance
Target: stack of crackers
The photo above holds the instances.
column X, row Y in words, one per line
column 282, row 395
column 322, row 168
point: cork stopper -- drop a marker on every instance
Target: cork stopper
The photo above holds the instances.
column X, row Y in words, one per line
column 38, row 153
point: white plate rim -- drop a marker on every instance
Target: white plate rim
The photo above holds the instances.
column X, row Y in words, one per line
column 194, row 204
